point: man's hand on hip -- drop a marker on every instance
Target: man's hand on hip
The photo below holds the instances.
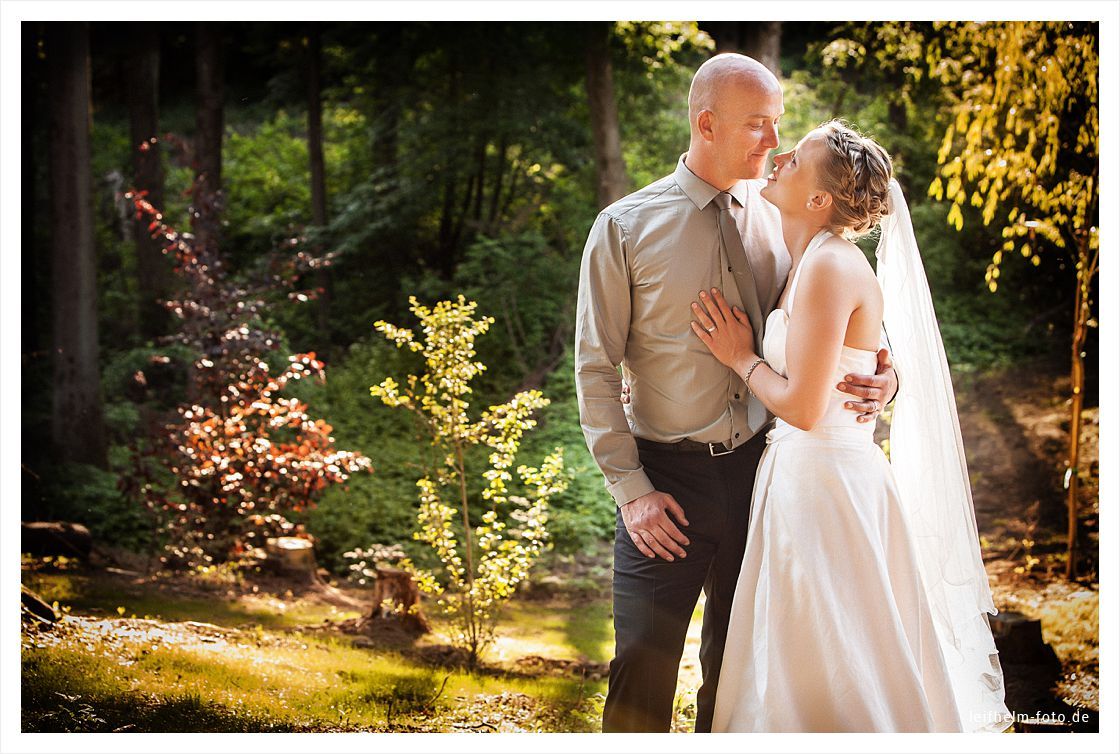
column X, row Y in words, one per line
column 653, row 532
column 875, row 390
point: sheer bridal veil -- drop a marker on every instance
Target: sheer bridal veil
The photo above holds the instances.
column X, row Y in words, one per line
column 928, row 459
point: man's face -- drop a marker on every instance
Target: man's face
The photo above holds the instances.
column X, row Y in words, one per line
column 745, row 127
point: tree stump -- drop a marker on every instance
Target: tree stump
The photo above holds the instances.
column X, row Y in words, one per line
column 396, row 598
column 42, row 538
column 292, row 557
column 1019, row 640
column 1030, row 671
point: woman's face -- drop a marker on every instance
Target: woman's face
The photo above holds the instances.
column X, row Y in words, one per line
column 794, row 178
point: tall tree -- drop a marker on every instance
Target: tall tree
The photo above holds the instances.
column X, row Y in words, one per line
column 29, row 260
column 1023, row 145
column 761, row 40
column 152, row 268
column 209, row 95
column 613, row 182
column 318, row 170
column 77, row 421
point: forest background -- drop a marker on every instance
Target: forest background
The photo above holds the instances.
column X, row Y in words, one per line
column 334, row 170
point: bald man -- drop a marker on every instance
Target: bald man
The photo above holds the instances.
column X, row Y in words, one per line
column 679, row 458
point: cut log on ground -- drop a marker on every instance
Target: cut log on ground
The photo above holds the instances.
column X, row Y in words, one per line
column 35, row 607
column 54, row 538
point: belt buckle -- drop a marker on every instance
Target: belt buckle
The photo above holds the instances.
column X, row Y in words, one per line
column 714, row 454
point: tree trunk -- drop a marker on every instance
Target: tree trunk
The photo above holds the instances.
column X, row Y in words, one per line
column 393, row 62
column 726, row 35
column 318, row 172
column 1086, row 269
column 613, row 182
column 153, row 269
column 208, row 141
column 77, row 424
column 29, row 259
column 761, row 40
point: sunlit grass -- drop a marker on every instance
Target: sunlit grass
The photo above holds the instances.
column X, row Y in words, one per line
column 259, row 672
column 577, row 631
column 1072, row 626
column 262, row 681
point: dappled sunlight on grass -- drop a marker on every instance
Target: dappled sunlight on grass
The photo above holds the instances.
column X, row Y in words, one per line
column 208, row 660
column 119, row 672
column 560, row 630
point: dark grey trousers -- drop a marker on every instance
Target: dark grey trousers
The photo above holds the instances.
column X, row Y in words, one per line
column 654, row 598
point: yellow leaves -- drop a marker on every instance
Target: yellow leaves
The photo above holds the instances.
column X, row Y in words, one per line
column 955, row 218
column 946, row 145
column 953, row 189
column 498, row 558
column 936, row 190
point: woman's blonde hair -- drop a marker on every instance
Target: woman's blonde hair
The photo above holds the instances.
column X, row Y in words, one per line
column 857, row 173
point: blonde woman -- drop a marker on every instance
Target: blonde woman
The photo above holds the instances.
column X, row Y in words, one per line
column 862, row 602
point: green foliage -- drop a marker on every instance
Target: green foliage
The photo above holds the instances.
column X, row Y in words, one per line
column 471, row 587
column 530, row 285
column 268, row 196
column 377, row 507
column 980, row 331
column 88, row 495
column 584, row 513
column 652, row 75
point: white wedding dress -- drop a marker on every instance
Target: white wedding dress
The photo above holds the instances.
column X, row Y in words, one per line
column 831, row 628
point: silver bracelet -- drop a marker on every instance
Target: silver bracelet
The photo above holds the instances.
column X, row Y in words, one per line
column 750, row 371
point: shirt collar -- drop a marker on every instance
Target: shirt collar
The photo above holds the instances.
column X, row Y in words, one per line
column 699, row 191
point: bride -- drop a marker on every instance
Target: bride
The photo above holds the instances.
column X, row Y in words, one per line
column 862, row 602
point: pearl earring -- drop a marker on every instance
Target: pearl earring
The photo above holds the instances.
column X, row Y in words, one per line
column 808, row 205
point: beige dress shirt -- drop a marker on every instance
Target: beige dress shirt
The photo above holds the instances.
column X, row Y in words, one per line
column 647, row 258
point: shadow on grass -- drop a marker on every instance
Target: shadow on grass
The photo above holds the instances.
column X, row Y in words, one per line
column 47, row 711
column 95, row 594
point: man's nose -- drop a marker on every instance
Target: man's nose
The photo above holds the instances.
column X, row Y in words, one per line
column 770, row 139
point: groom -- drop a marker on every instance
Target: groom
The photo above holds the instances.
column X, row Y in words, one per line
column 680, row 458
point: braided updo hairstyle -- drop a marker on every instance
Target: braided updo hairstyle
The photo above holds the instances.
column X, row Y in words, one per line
column 857, row 172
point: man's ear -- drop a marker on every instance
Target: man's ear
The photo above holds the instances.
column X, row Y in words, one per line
column 704, row 124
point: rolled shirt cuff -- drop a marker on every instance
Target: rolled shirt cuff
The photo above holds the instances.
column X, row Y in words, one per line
column 630, row 487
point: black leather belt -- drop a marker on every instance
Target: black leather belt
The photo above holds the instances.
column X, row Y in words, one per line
column 686, row 446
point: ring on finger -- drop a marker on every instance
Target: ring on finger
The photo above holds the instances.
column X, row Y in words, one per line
column 711, row 329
